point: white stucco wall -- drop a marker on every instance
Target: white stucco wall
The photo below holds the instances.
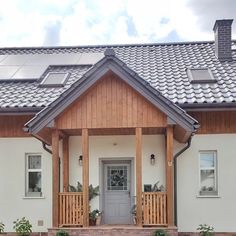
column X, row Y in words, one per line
column 117, row 147
column 219, row 212
column 13, row 203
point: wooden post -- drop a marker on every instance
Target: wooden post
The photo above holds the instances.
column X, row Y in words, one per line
column 85, row 153
column 55, row 177
column 169, row 176
column 66, row 164
column 138, row 134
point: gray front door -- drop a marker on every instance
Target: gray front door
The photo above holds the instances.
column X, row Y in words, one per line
column 117, row 202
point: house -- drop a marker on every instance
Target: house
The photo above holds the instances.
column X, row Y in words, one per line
column 123, row 117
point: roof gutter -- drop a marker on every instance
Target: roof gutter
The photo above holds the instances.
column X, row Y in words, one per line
column 46, row 148
column 175, row 177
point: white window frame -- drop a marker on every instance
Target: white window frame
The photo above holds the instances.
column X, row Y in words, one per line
column 27, row 171
column 215, row 168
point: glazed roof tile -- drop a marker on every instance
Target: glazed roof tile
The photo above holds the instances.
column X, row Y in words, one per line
column 163, row 66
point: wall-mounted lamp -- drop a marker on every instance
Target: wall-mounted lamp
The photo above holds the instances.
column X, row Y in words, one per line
column 80, row 160
column 152, row 159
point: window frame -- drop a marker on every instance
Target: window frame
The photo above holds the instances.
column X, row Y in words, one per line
column 27, row 171
column 200, row 81
column 54, row 85
column 208, row 193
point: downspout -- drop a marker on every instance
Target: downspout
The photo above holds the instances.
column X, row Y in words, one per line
column 175, row 177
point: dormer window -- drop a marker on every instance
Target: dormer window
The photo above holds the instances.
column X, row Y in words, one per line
column 200, row 75
column 55, row 79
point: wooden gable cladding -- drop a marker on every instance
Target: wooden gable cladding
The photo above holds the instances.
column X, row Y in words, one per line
column 12, row 126
column 111, row 103
column 215, row 122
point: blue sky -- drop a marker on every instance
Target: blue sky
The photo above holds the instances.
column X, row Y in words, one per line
column 89, row 22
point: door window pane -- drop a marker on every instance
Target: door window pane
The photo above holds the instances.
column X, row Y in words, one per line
column 117, row 178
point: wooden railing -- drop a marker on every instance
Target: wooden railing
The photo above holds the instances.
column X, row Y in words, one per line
column 154, row 208
column 70, row 209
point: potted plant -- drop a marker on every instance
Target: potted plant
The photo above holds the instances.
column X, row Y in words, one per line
column 160, row 232
column 1, row 227
column 22, row 227
column 205, row 230
column 133, row 212
column 95, row 217
column 62, row 233
column 93, row 191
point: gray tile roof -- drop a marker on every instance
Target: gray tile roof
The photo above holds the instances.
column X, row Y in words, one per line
column 162, row 65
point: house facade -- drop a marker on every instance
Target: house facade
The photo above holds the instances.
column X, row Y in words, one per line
column 126, row 118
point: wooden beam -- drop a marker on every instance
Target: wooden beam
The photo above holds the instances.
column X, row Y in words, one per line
column 138, row 134
column 66, row 164
column 169, row 175
column 55, row 177
column 85, row 153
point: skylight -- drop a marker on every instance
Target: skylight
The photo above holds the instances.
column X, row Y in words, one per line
column 200, row 75
column 54, row 79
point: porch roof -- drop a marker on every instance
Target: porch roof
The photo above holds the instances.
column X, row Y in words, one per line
column 110, row 62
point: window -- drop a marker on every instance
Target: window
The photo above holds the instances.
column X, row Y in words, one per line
column 208, row 173
column 200, row 75
column 33, row 175
column 55, row 79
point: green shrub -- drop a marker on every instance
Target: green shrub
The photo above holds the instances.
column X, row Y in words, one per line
column 205, row 230
column 62, row 233
column 22, row 227
column 1, row 228
column 160, row 232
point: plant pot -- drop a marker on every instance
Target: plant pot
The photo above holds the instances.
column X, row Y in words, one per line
column 98, row 220
column 92, row 222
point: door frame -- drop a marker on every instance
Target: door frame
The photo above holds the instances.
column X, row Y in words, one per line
column 110, row 160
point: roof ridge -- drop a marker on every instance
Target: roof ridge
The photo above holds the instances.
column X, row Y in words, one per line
column 110, row 45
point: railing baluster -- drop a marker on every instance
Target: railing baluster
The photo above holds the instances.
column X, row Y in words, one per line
column 154, row 208
column 70, row 208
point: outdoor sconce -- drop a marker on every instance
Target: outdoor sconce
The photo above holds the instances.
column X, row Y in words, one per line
column 152, row 159
column 80, row 160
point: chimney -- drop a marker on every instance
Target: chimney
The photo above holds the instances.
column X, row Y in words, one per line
column 222, row 30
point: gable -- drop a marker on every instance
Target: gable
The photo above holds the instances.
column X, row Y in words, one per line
column 111, row 103
column 50, row 115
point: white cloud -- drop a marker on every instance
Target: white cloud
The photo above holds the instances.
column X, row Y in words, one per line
column 84, row 22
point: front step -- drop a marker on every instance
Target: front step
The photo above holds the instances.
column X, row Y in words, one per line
column 113, row 231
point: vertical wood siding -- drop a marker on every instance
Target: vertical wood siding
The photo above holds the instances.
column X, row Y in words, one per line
column 111, row 103
column 12, row 126
column 215, row 122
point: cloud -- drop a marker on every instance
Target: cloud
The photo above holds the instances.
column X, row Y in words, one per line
column 208, row 11
column 86, row 22
column 52, row 34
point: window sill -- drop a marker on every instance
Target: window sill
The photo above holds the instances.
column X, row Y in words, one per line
column 208, row 196
column 29, row 197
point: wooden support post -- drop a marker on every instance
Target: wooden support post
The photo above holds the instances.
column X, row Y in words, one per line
column 85, row 153
column 169, row 175
column 138, row 134
column 55, row 177
column 65, row 164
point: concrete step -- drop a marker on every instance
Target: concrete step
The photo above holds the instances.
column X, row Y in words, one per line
column 113, row 231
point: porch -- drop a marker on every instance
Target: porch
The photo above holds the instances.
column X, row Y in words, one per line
column 113, row 103
column 152, row 208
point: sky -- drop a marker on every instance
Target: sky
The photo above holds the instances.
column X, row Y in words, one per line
column 95, row 22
